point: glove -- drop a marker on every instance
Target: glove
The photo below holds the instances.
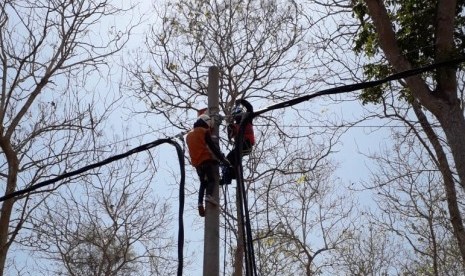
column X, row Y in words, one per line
column 218, row 119
column 225, row 162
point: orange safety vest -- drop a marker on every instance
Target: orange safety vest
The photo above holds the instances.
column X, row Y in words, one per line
column 198, row 148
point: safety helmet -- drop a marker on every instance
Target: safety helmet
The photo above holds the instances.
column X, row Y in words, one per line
column 205, row 118
column 237, row 110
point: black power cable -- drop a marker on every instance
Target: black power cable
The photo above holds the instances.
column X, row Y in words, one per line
column 361, row 85
column 250, row 265
column 180, row 153
column 250, row 258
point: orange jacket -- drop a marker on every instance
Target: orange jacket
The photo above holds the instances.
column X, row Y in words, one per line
column 233, row 131
column 201, row 146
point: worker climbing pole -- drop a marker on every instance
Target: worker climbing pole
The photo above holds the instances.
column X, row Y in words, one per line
column 239, row 112
column 240, row 132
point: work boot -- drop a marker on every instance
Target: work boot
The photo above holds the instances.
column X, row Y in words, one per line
column 231, row 173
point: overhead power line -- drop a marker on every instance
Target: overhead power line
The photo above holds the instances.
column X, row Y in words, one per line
column 39, row 185
column 180, row 154
column 361, row 85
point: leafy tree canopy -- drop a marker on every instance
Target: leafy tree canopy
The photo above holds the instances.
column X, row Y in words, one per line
column 414, row 24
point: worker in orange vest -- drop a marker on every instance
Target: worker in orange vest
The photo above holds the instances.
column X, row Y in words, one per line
column 205, row 155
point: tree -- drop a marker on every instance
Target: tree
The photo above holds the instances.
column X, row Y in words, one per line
column 413, row 206
column 302, row 218
column 400, row 35
column 257, row 46
column 50, row 52
column 368, row 250
column 112, row 224
column 261, row 48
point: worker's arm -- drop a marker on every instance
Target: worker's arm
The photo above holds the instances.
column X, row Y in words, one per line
column 232, row 131
column 248, row 106
column 214, row 148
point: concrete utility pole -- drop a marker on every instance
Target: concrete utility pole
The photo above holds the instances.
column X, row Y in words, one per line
column 211, row 248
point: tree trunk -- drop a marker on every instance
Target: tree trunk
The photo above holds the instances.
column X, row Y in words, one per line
column 7, row 205
column 442, row 102
column 453, row 124
column 5, row 215
column 449, row 184
column 454, row 128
